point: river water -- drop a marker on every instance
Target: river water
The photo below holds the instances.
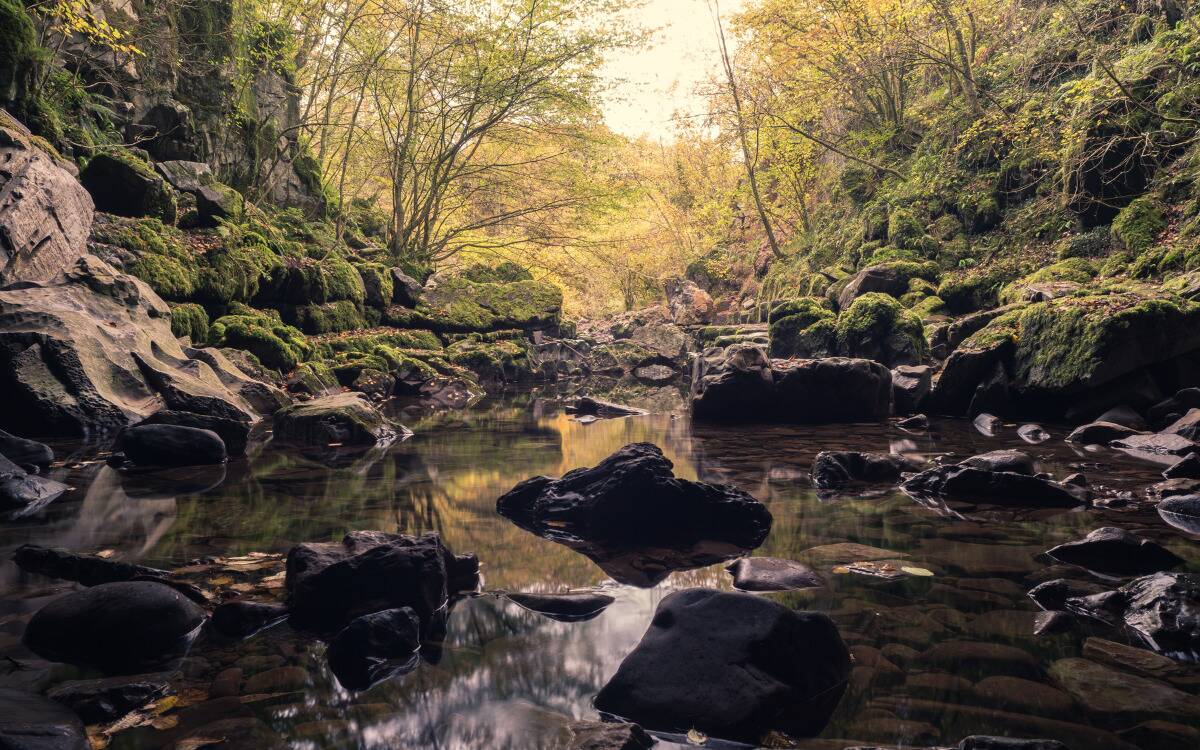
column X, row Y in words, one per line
column 937, row 657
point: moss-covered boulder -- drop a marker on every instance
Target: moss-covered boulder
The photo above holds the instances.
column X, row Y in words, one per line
column 876, row 326
column 262, row 333
column 306, row 281
column 1137, row 226
column 505, row 361
column 190, row 320
column 124, row 184
column 1055, row 280
column 976, row 288
column 152, row 251
column 808, row 330
column 330, row 317
column 236, row 274
column 892, row 278
column 342, row 419
column 20, row 55
column 378, row 283
column 458, row 304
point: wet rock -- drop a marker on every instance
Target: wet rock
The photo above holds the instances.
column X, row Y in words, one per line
column 599, row 735
column 277, row 680
column 572, row 607
column 375, row 647
column 1123, row 415
column 98, row 701
column 978, row 658
column 915, row 422
column 1187, row 426
column 1101, row 433
column 1172, row 488
column 1002, row 460
column 1023, row 696
column 988, row 742
column 31, row 722
column 936, row 685
column 119, row 628
column 838, row 468
column 1010, row 488
column 1182, row 512
column 1107, row 692
column 89, row 570
column 331, row 584
column 987, row 424
column 172, row 445
column 25, row 452
column 242, row 733
column 22, row 493
column 632, row 497
column 1053, row 595
column 764, row 667
column 1052, row 622
column 588, row 406
column 655, row 374
column 233, row 433
column 1162, row 735
column 1187, row 467
column 910, row 385
column 1033, row 433
column 1163, row 608
column 242, row 619
column 1124, row 657
column 739, row 383
column 343, row 418
column 772, row 574
column 1159, row 444
column 1113, row 551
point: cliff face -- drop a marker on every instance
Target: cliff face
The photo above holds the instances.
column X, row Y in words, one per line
column 206, row 88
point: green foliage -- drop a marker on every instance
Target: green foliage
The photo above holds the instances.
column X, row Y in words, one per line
column 190, row 320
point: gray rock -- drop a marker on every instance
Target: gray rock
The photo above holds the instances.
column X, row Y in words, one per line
column 772, row 574
column 1163, row 608
column 601, row 735
column 89, row 570
column 1187, row 426
column 25, row 452
column 1123, row 415
column 1187, row 467
column 22, row 493
column 126, row 187
column 1002, row 460
column 910, row 385
column 986, row 424
column 832, row 469
column 375, row 647
column 687, row 303
column 1033, row 433
column 172, row 445
column 1182, row 512
column 343, row 418
column 45, row 214
column 406, row 291
column 883, row 278
column 31, row 722
column 1159, row 444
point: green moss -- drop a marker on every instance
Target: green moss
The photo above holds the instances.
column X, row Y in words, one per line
column 457, row 304
column 503, row 273
column 236, row 274
column 377, row 283
column 1076, row 270
column 904, row 229
column 160, row 257
column 878, row 327
column 976, row 288
column 20, row 55
column 330, row 317
column 1092, row 244
column 278, row 346
column 806, row 331
column 1116, row 264
column 508, row 360
column 190, row 320
column 1138, row 225
column 368, row 342
column 929, row 307
column 306, row 282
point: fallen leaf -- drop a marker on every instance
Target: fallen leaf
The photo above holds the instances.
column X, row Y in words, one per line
column 696, row 737
column 914, row 571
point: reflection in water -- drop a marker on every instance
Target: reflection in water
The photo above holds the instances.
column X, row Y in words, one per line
column 508, row 677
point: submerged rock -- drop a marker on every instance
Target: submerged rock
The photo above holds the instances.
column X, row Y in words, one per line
column 1002, row 460
column 31, row 722
column 588, row 406
column 1101, row 433
column 1113, row 551
column 344, row 418
column 739, row 383
column 98, row 701
column 89, row 570
column 1187, row 467
column 1033, row 433
column 632, row 497
column 375, row 647
column 735, row 666
column 989, row 742
column 571, row 607
column 1105, row 691
column 1163, row 609
column 331, row 584
column 172, row 445
column 603, row 735
column 964, row 481
column 25, row 452
column 118, row 628
column 838, row 468
column 1053, row 595
column 772, row 574
column 242, row 619
column 22, row 493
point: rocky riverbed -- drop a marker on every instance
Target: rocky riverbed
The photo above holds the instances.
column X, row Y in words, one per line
column 928, row 591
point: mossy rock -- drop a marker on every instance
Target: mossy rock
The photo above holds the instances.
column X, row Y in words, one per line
column 190, row 320
column 1074, row 270
column 904, row 229
column 330, row 317
column 308, row 282
column 504, row 273
column 378, row 283
column 877, row 327
column 804, row 336
column 369, row 341
column 1091, row 244
column 236, row 274
column 457, row 304
column 976, row 288
column 278, row 346
column 158, row 254
column 20, row 55
column 124, row 184
column 1138, row 225
column 504, row 361
column 929, row 307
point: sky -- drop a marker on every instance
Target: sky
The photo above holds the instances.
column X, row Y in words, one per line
column 654, row 82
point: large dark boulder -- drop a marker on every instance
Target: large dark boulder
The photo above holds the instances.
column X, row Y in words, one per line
column 1182, row 512
column 735, row 666
column 888, row 278
column 739, row 383
column 235, row 434
column 633, row 497
column 343, row 418
column 31, row 722
column 406, row 291
column 122, row 184
column 120, row 628
column 838, row 468
column 90, row 570
column 25, row 452
column 45, row 214
column 998, row 478
column 1100, row 433
column 1113, row 551
column 1162, row 608
column 1002, row 460
column 22, row 493
column 110, row 698
column 374, row 647
column 172, row 445
column 331, row 584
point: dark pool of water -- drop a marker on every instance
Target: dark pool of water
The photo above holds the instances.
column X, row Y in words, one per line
column 509, row 678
